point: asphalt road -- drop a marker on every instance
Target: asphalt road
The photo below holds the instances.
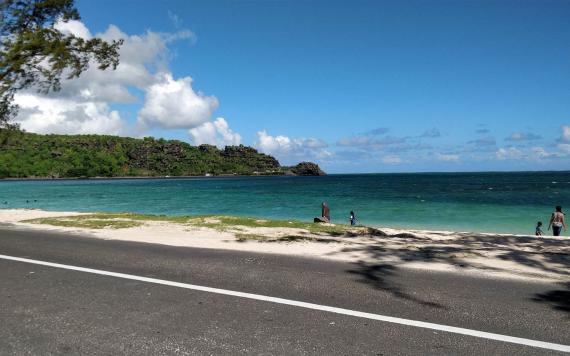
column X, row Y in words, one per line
column 47, row 310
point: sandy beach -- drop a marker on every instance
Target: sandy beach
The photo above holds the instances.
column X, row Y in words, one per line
column 493, row 255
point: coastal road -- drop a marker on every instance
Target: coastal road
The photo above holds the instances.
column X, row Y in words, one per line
column 53, row 309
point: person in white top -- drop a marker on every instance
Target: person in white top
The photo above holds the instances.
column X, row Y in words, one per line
column 557, row 221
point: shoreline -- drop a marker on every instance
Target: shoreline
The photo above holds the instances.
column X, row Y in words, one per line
column 488, row 255
column 147, row 177
column 279, row 175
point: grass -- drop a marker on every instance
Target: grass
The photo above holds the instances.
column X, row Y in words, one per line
column 226, row 222
column 220, row 223
column 71, row 221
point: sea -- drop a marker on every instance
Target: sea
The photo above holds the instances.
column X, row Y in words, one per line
column 476, row 202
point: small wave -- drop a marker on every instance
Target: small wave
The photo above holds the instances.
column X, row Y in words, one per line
column 554, row 182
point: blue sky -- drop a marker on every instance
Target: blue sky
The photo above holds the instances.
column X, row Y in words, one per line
column 358, row 86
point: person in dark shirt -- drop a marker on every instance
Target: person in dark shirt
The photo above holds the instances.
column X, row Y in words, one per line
column 352, row 218
column 538, row 231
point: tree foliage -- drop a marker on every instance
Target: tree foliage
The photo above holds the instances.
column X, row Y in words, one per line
column 28, row 155
column 33, row 53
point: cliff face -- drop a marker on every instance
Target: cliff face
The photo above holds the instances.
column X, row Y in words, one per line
column 26, row 155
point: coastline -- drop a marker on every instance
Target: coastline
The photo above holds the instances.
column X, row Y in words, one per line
column 284, row 174
column 489, row 255
column 145, row 177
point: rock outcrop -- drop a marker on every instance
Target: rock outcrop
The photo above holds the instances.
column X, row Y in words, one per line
column 307, row 169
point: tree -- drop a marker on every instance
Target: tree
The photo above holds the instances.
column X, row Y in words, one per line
column 33, row 53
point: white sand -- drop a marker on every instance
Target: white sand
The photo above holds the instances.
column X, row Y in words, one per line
column 493, row 255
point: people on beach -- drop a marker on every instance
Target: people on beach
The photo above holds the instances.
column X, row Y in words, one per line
column 557, row 221
column 538, row 231
column 325, row 212
column 352, row 218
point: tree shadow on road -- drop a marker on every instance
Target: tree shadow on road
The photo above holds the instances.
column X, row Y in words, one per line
column 378, row 275
column 382, row 254
column 559, row 299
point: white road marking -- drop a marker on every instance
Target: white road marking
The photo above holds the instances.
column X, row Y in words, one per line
column 359, row 314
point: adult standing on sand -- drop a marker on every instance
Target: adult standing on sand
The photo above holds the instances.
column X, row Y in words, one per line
column 557, row 221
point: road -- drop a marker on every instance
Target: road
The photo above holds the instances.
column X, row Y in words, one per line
column 52, row 310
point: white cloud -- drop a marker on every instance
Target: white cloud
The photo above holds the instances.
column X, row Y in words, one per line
column 541, row 153
column 371, row 142
column 138, row 55
column 173, row 103
column 289, row 149
column 431, row 133
column 83, row 104
column 377, row 131
column 216, row 133
column 63, row 116
column 447, row 157
column 73, row 27
column 274, row 144
column 565, row 133
column 508, row 153
column 179, row 35
column 533, row 154
column 280, row 143
column 523, row 136
column 175, row 19
column 564, row 147
column 355, row 141
column 391, row 159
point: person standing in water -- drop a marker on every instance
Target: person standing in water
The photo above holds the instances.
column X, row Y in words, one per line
column 557, row 221
column 325, row 212
column 352, row 218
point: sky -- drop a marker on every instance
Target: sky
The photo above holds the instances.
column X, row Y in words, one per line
column 356, row 86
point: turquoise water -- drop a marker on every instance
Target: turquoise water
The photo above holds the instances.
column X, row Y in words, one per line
column 487, row 202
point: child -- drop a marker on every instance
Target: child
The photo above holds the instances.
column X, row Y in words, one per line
column 538, row 231
column 352, row 218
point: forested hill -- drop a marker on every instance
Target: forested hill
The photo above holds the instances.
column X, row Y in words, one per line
column 27, row 155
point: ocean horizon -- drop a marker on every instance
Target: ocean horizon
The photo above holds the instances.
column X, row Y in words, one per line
column 494, row 202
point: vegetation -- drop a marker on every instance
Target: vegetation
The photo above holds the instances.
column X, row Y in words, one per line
column 100, row 220
column 220, row 223
column 33, row 53
column 226, row 222
column 88, row 223
column 28, row 155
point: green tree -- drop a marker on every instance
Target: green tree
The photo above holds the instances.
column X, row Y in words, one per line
column 34, row 54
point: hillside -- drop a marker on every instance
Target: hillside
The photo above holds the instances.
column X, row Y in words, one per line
column 28, row 155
